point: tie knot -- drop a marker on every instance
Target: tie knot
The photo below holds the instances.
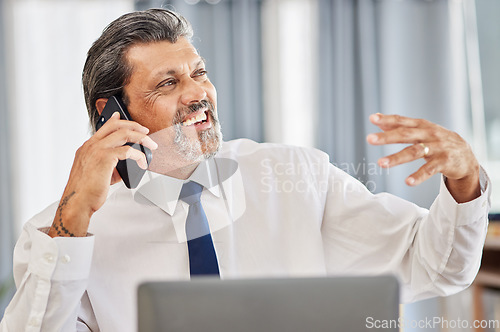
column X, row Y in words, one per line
column 191, row 192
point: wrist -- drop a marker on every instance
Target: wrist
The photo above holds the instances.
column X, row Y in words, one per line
column 466, row 188
column 72, row 217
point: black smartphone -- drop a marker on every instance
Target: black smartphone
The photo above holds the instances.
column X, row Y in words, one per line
column 128, row 169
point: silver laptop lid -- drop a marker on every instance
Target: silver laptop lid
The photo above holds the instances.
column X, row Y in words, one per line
column 313, row 304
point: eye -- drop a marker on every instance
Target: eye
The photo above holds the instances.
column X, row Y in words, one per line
column 200, row 72
column 167, row 83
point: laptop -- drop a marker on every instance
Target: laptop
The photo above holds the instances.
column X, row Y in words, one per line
column 208, row 304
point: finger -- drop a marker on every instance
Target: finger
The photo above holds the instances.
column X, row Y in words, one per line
column 120, row 137
column 387, row 122
column 408, row 154
column 115, row 177
column 398, row 135
column 115, row 123
column 128, row 152
column 424, row 173
column 149, row 143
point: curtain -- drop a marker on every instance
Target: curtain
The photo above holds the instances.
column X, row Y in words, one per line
column 349, row 88
column 394, row 57
column 423, row 73
column 6, row 220
column 487, row 131
column 227, row 34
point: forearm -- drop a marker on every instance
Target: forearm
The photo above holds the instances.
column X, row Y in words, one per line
column 433, row 253
column 52, row 305
column 446, row 253
column 72, row 217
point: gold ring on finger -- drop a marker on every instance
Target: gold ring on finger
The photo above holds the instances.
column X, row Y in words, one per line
column 426, row 149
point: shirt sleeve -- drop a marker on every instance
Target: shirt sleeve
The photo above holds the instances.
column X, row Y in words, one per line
column 51, row 275
column 434, row 252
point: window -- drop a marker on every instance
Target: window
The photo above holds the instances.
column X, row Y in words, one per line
column 488, row 26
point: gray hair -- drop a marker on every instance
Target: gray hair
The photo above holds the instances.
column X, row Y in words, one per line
column 106, row 70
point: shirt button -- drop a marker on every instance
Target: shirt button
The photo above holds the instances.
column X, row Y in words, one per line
column 34, row 322
column 49, row 258
column 65, row 259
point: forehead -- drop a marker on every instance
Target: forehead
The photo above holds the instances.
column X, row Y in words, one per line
column 159, row 57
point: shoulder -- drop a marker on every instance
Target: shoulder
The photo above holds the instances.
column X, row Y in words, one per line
column 276, row 163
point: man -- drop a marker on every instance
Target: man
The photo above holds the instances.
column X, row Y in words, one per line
column 78, row 263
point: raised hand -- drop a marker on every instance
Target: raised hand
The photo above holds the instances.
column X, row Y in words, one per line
column 444, row 151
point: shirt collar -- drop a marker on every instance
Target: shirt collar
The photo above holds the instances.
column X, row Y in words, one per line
column 163, row 191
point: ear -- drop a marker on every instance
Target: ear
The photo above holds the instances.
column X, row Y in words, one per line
column 100, row 103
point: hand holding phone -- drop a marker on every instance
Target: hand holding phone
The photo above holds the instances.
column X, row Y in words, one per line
column 128, row 169
column 94, row 168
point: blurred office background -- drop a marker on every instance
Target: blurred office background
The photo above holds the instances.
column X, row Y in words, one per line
column 302, row 72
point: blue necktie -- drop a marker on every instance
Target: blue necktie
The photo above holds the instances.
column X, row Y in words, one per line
column 202, row 257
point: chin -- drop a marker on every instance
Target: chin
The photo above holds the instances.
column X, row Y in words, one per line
column 205, row 146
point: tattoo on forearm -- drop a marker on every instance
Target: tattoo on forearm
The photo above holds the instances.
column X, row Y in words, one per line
column 58, row 225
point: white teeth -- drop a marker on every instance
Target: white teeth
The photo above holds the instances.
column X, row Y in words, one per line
column 200, row 117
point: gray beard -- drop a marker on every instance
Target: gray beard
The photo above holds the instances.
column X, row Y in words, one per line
column 209, row 140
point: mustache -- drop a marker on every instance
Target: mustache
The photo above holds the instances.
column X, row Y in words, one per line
column 193, row 108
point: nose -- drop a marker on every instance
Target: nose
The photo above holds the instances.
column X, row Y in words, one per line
column 192, row 92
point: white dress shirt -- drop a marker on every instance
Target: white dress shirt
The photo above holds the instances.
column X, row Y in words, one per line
column 274, row 211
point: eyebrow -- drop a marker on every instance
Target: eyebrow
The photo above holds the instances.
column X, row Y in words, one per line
column 173, row 71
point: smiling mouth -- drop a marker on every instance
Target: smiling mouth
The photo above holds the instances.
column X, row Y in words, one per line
column 195, row 119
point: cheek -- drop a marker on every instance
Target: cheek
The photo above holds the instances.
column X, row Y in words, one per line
column 212, row 95
column 160, row 116
column 142, row 110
